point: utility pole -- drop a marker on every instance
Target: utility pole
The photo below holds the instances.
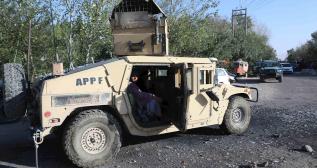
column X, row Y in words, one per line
column 237, row 16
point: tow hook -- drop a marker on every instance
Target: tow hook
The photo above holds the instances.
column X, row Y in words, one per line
column 37, row 139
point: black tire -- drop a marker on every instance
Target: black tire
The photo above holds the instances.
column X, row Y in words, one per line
column 233, row 124
column 87, row 128
column 14, row 91
column 280, row 79
column 262, row 79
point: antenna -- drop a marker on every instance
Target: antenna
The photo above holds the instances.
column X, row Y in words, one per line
column 53, row 32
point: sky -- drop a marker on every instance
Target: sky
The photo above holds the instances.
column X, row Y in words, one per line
column 289, row 23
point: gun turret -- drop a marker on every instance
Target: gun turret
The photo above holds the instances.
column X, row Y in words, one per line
column 139, row 27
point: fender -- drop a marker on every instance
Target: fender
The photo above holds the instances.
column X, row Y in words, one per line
column 225, row 91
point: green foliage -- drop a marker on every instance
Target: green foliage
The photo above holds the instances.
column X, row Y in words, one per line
column 306, row 53
column 202, row 33
column 80, row 30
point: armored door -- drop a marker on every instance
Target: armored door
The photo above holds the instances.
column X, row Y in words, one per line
column 199, row 106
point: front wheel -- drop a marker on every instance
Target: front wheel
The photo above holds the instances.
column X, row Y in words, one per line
column 92, row 138
column 237, row 117
column 280, row 79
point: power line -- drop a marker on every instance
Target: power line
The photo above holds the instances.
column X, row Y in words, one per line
column 258, row 4
column 262, row 4
column 250, row 3
column 265, row 4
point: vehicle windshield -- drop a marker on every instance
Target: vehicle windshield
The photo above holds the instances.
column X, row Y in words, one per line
column 220, row 72
column 270, row 64
column 286, row 65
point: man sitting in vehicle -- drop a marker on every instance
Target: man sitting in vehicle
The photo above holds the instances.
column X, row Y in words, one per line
column 147, row 103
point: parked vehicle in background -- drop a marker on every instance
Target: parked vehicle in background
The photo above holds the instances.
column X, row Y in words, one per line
column 241, row 67
column 270, row 69
column 296, row 66
column 232, row 77
column 223, row 76
column 287, row 68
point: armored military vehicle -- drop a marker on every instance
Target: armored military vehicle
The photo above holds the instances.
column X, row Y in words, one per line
column 92, row 107
column 269, row 69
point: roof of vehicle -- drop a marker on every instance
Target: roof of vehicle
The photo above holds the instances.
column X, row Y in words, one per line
column 269, row 61
column 240, row 61
column 168, row 59
column 89, row 66
column 130, row 5
column 147, row 60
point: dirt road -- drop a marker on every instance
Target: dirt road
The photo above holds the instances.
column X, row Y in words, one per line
column 283, row 121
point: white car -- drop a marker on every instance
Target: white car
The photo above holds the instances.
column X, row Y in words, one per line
column 287, row 68
column 222, row 76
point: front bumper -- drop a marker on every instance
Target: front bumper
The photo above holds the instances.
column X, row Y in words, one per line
column 271, row 75
column 287, row 71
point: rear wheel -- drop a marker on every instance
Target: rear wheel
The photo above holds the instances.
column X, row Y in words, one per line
column 92, row 138
column 237, row 117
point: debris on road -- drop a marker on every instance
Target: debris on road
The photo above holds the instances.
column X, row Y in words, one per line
column 264, row 164
column 168, row 147
column 276, row 135
column 308, row 148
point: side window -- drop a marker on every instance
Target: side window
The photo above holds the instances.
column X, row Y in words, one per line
column 162, row 73
column 189, row 79
column 202, row 77
column 178, row 78
column 205, row 77
column 208, row 77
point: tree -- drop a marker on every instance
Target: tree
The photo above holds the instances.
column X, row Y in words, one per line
column 78, row 30
column 306, row 53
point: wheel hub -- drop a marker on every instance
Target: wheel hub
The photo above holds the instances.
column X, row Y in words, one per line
column 237, row 115
column 93, row 140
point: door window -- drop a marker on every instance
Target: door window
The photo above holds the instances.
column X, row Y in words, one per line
column 208, row 74
column 205, row 78
column 202, row 77
column 189, row 79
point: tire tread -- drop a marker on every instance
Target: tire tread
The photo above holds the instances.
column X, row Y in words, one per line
column 226, row 125
column 75, row 122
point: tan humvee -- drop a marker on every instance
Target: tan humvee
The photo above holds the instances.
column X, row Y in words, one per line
column 93, row 106
column 93, row 109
